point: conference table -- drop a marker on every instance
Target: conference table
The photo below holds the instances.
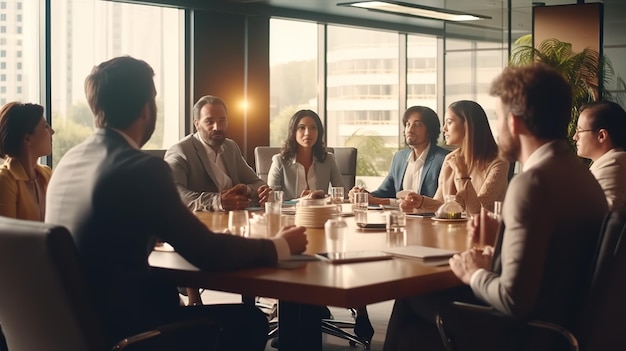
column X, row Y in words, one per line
column 303, row 285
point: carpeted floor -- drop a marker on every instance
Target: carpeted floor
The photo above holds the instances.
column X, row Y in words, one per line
column 379, row 316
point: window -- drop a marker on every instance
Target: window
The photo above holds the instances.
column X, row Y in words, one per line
column 293, row 58
column 363, row 97
column 3, row 65
column 3, row 77
column 78, row 45
column 19, row 18
column 19, row 78
column 19, row 65
column 18, row 90
column 3, row 41
column 3, row 17
column 18, row 53
column 3, row 5
column 3, row 29
column 19, row 30
column 3, row 90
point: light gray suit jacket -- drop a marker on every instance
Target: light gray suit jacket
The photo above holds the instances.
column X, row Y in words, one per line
column 283, row 173
column 610, row 171
column 552, row 214
column 195, row 178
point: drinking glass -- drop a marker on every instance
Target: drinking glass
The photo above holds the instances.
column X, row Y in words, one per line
column 238, row 222
column 273, row 208
column 360, row 207
column 335, row 230
column 336, row 194
column 396, row 228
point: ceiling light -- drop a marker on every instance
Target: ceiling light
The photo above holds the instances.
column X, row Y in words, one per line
column 403, row 8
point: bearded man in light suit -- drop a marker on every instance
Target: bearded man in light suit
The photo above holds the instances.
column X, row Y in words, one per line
column 601, row 136
column 208, row 168
column 551, row 220
column 117, row 200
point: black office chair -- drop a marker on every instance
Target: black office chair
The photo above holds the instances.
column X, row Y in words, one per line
column 45, row 302
column 599, row 322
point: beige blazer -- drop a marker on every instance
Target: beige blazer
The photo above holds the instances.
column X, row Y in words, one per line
column 610, row 171
column 552, row 215
column 16, row 201
column 486, row 186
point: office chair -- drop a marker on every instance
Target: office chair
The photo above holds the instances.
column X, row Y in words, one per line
column 346, row 162
column 345, row 157
column 599, row 321
column 46, row 304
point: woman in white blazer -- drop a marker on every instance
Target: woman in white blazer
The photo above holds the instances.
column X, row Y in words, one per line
column 303, row 164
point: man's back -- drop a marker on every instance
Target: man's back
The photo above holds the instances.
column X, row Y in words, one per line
column 116, row 201
column 552, row 215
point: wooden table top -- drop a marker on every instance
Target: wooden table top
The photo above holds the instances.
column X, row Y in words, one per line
column 320, row 283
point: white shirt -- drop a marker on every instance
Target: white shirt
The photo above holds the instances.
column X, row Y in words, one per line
column 413, row 174
column 308, row 181
column 222, row 179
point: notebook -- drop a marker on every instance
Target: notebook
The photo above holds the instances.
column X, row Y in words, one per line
column 417, row 251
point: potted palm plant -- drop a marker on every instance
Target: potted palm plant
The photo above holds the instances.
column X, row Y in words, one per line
column 584, row 71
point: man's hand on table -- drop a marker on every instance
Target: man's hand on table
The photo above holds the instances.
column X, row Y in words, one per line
column 466, row 263
column 264, row 192
column 235, row 198
column 295, row 237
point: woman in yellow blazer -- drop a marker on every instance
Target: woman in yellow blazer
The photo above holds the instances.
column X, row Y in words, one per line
column 24, row 137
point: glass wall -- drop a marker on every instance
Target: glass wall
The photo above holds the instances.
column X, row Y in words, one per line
column 293, row 73
column 87, row 32
column 20, row 53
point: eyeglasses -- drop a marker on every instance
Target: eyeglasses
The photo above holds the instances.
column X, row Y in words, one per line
column 578, row 130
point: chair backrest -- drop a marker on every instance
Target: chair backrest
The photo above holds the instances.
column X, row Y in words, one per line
column 44, row 301
column 601, row 323
column 344, row 156
column 263, row 160
column 346, row 161
column 156, row 152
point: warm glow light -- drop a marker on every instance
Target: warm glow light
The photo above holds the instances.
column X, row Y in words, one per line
column 244, row 105
column 415, row 10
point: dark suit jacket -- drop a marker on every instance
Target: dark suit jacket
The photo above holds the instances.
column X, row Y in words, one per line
column 195, row 178
column 116, row 200
column 430, row 174
column 552, row 214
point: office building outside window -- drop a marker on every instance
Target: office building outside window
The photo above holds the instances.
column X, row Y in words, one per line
column 86, row 33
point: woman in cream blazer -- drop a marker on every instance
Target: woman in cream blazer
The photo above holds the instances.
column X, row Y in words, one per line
column 24, row 137
column 303, row 164
column 473, row 172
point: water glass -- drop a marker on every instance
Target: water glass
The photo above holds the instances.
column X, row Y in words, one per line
column 396, row 228
column 275, row 196
column 360, row 207
column 336, row 194
column 336, row 231
column 238, row 222
column 272, row 217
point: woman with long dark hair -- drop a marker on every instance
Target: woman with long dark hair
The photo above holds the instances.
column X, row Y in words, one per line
column 303, row 164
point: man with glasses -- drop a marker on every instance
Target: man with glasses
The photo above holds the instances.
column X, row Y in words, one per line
column 601, row 137
column 417, row 167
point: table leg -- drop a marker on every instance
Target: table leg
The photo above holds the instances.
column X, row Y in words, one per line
column 299, row 327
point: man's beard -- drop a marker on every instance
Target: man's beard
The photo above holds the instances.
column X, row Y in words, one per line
column 216, row 142
column 508, row 147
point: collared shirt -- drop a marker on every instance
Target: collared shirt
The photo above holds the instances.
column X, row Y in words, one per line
column 534, row 157
column 413, row 174
column 531, row 162
column 222, row 178
column 305, row 181
column 128, row 139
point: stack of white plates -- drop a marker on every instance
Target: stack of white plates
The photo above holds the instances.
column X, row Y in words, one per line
column 314, row 216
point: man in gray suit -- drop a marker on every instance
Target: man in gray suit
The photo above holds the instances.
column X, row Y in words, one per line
column 117, row 200
column 208, row 168
column 551, row 219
